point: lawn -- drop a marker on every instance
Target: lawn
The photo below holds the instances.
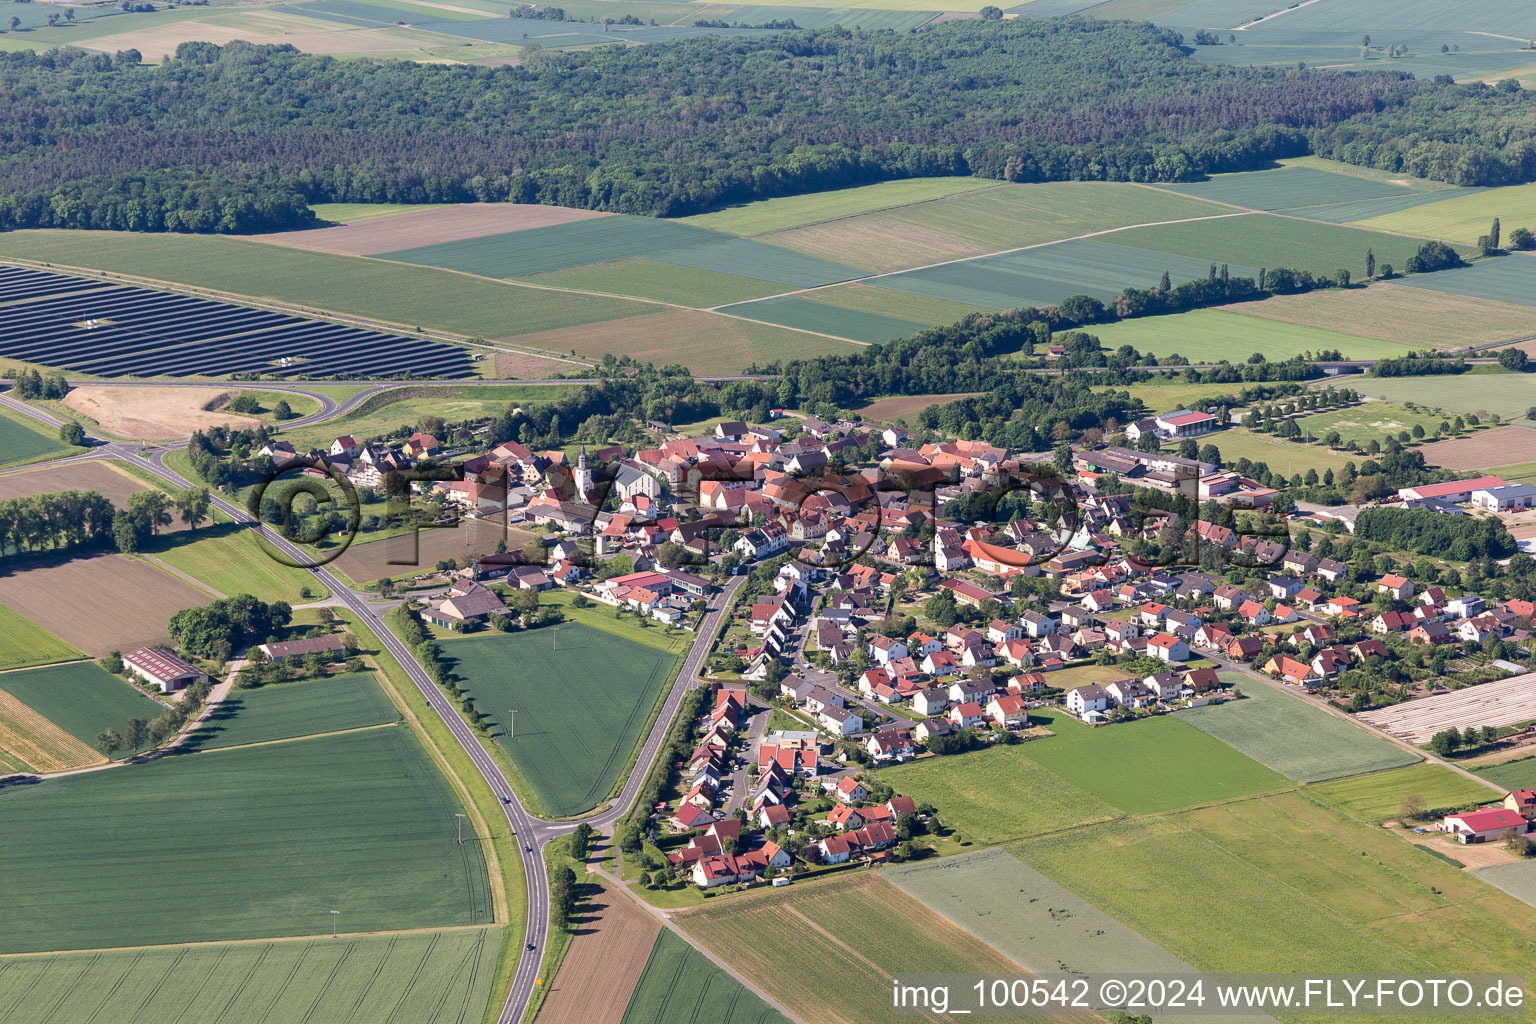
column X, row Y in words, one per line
column 81, row 698
column 397, row 294
column 23, row 439
column 663, row 282
column 1418, row 317
column 1152, row 765
column 289, row 710
column 1519, row 774
column 1252, row 876
column 680, row 983
column 229, row 558
column 1377, row 797
column 250, row 843
column 1465, row 217
column 425, row 978
column 580, row 708
column 992, row 796
column 1281, row 456
column 1213, row 335
column 785, row 212
column 1295, row 738
column 24, row 643
column 1508, row 394
column 1368, row 421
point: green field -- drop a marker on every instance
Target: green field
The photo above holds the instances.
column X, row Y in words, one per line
column 1281, row 456
column 1502, row 279
column 747, row 257
column 1375, row 798
column 1153, row 765
column 347, row 213
column 1519, row 774
column 404, row 407
column 81, row 698
column 996, row 219
column 1418, row 317
column 992, row 796
column 248, row 843
column 802, row 314
column 1286, row 188
column 1368, row 421
column 229, row 558
column 23, row 439
column 1211, row 335
column 1296, row 739
column 1519, row 473
column 681, row 984
column 1463, row 218
column 1518, row 879
column 398, row 294
column 425, row 978
column 663, row 282
column 1508, row 394
column 556, row 247
column 580, row 709
column 1281, row 884
column 24, row 643
column 1160, row 397
column 886, row 302
column 787, row 212
column 288, row 710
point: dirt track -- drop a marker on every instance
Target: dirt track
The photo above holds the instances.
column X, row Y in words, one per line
column 606, row 958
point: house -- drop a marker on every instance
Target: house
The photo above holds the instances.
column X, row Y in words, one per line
column 1434, row 633
column 690, row 815
column 1484, row 825
column 1400, row 587
column 1000, row 631
column 1283, row 587
column 1522, row 802
column 1008, row 711
column 940, row 663
column 840, row 721
column 891, row 745
column 967, row 715
column 1036, row 624
column 421, row 446
column 836, row 849
column 331, row 647
column 467, row 601
column 1253, row 613
column 931, row 701
column 1465, row 606
column 1292, row 671
column 1347, row 607
column 1330, row 662
column 1242, row 648
column 1167, row 685
column 844, row 817
column 1167, row 648
column 162, row 668
column 883, row 649
column 1132, row 693
column 1227, row 596
column 1371, row 648
column 764, row 542
column 1026, row 682
column 1084, row 701
column 930, row 728
column 850, row 790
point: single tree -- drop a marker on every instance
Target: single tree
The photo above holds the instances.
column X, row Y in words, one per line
column 72, row 433
column 192, row 504
column 282, row 410
column 138, row 732
column 1493, row 234
column 1370, row 265
column 109, row 742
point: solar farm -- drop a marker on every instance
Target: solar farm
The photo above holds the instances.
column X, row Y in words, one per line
column 116, row 330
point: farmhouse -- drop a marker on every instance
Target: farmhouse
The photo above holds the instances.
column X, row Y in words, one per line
column 321, row 645
column 1455, row 492
column 1481, row 826
column 466, row 602
column 162, row 668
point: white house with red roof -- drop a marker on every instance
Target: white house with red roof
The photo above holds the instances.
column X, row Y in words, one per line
column 1183, row 423
column 850, row 790
column 1484, row 825
column 1167, row 648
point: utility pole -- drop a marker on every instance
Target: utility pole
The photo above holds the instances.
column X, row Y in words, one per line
column 511, row 722
column 334, row 915
column 461, row 828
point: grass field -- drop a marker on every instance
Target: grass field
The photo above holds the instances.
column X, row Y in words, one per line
column 1417, row 317
column 1211, row 335
column 1505, row 279
column 1296, row 739
column 1508, row 394
column 348, row 213
column 1152, row 765
column 663, row 282
column 1377, row 797
column 289, row 710
column 1519, row 774
column 681, row 984
column 580, row 710
column 788, row 212
column 747, row 257
column 1517, row 878
column 390, row 410
column 426, row 978
column 81, row 698
column 1368, row 421
column 1165, row 397
column 1026, row 916
column 397, row 294
column 1264, row 240
column 272, row 839
column 886, row 302
column 23, row 439
column 1281, row 456
column 993, row 220
column 23, row 643
column 536, row 250
column 1463, row 218
column 230, row 559
column 805, row 315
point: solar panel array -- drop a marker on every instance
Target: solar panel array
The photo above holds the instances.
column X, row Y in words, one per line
column 116, row 330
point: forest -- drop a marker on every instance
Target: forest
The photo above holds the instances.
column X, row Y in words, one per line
column 243, row 138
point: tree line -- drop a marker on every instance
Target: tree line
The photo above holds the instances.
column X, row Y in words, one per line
column 63, row 520
column 243, row 138
column 1425, row 532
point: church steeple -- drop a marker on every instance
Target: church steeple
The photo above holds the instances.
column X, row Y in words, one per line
column 583, row 475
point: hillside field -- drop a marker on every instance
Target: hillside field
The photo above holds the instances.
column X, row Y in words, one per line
column 785, row 212
column 1508, row 394
column 1463, row 218
column 1417, row 317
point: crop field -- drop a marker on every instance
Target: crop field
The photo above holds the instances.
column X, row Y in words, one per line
column 429, row 978
column 1367, row 421
column 888, row 410
column 1295, row 738
column 1508, row 394
column 1483, row 450
column 1253, row 875
column 29, row 742
column 113, row 483
column 23, row 643
column 678, row 983
column 994, row 220
column 747, row 257
column 361, row 822
column 81, row 698
column 886, row 302
column 1462, row 218
column 1280, row 456
column 289, row 710
column 229, row 559
column 582, row 697
column 1026, row 916
column 23, row 440
column 1377, row 797
column 432, row 225
column 658, row 281
column 1519, row 473
column 1519, row 774
column 81, row 600
column 1286, row 188
column 1505, row 279
column 705, row 342
column 805, row 315
column 1517, row 878
column 1265, row 240
column 992, row 796
column 827, row 949
column 394, row 293
column 607, row 956
column 1418, row 317
column 520, row 253
column 787, row 212
column 1211, row 335
column 1503, row 702
column 1152, row 765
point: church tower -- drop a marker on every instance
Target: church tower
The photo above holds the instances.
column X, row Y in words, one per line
column 583, row 475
